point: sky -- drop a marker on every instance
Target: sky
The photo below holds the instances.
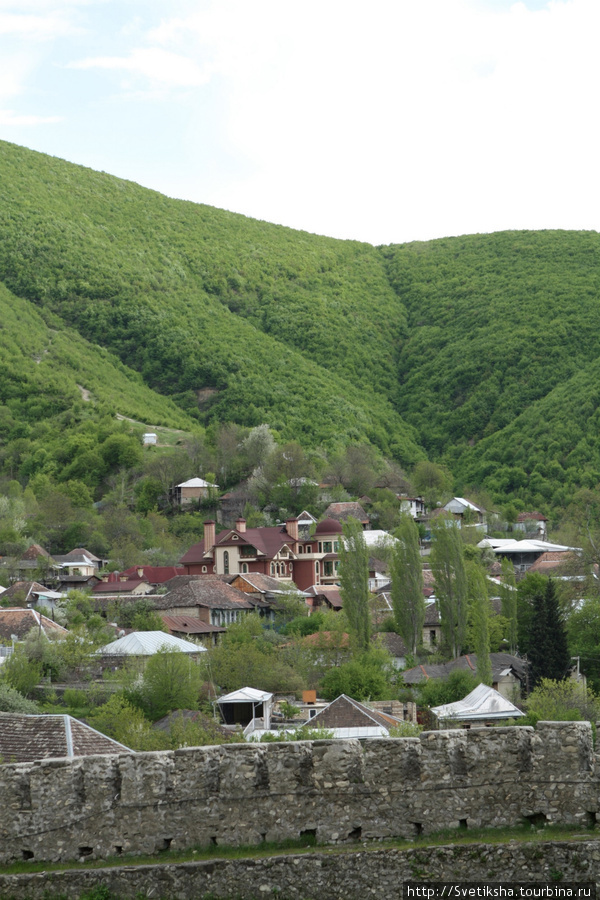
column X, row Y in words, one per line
column 384, row 121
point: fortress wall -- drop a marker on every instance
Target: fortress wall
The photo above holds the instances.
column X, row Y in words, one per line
column 235, row 794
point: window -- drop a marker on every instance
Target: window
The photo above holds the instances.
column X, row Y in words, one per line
column 226, row 562
column 336, row 546
column 328, row 567
column 327, row 547
column 244, row 568
column 272, row 568
column 248, row 550
column 204, row 569
column 317, row 567
column 308, row 549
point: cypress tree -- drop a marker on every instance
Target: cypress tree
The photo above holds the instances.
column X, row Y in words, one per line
column 548, row 653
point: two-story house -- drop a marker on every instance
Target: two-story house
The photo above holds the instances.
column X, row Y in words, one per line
column 278, row 551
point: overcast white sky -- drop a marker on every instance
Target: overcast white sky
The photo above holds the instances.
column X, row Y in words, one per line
column 379, row 120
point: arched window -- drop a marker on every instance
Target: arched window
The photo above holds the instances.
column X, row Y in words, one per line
column 226, row 562
column 272, row 568
column 204, row 569
column 317, row 567
column 244, row 568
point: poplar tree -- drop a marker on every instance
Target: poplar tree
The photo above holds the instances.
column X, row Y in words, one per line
column 354, row 583
column 448, row 567
column 480, row 613
column 508, row 599
column 407, row 584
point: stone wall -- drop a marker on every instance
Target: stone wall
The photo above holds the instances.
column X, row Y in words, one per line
column 339, row 791
column 324, row 876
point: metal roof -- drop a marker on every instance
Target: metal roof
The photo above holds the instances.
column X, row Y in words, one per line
column 246, row 695
column 145, row 643
column 482, row 703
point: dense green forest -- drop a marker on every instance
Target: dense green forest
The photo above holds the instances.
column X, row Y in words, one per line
column 476, row 352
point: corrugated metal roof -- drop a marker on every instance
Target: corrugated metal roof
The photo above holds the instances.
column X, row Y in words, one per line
column 482, row 703
column 145, row 643
column 245, row 695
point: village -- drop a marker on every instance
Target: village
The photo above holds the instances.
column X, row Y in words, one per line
column 264, row 619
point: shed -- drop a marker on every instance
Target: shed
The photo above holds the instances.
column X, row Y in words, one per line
column 246, row 707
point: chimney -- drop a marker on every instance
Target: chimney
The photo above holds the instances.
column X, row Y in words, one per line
column 240, row 525
column 291, row 526
column 209, row 536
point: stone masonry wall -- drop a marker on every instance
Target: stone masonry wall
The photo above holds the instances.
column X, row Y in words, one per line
column 339, row 791
column 354, row 875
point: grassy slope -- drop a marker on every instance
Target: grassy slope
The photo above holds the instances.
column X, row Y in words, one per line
column 44, row 366
column 486, row 345
column 284, row 327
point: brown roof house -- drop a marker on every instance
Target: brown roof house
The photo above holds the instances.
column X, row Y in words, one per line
column 208, row 599
column 25, row 738
column 347, row 718
column 350, row 509
column 16, row 623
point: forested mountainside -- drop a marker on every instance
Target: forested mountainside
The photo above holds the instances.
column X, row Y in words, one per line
column 480, row 352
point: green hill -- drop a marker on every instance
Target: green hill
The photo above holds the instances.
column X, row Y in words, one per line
column 478, row 351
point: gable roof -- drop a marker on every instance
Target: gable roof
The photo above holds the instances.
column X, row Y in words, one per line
column 268, row 540
column 146, row 643
column 119, row 587
column 24, row 738
column 266, row 584
column 197, row 483
column 245, row 695
column 29, row 589
column 19, row 621
column 344, row 712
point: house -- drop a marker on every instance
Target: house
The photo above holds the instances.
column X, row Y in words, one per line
column 509, row 673
column 17, row 622
column 394, row 645
column 248, row 707
column 27, row 738
column 414, row 506
column 350, row 509
column 156, row 576
column 149, row 438
column 277, row 551
column 30, row 594
column 463, row 509
column 523, row 554
column 324, row 596
column 192, row 491
column 34, row 560
column 146, row 643
column 347, row 718
column 209, row 599
column 432, row 626
column 192, row 627
column 378, row 573
column 482, row 705
column 132, row 587
column 265, row 587
column 532, row 523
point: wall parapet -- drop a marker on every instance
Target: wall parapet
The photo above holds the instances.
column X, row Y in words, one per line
column 244, row 794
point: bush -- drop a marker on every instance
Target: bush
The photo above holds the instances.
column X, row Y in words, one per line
column 13, row 701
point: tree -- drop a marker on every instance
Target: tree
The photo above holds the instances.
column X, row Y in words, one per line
column 438, row 692
column 171, row 681
column 562, row 701
column 447, row 565
column 480, row 613
column 21, row 673
column 366, row 677
column 431, row 481
column 548, row 651
column 508, row 599
column 407, row 584
column 354, row 583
